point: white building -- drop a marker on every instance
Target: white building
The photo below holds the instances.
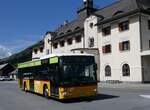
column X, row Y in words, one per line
column 120, row 34
column 38, row 50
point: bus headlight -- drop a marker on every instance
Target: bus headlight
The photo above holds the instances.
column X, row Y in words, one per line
column 95, row 90
column 64, row 93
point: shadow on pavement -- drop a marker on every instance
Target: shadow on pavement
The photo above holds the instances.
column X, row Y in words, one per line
column 90, row 99
column 83, row 99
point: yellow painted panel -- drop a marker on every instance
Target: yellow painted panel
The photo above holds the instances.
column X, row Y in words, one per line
column 75, row 92
column 27, row 83
column 19, row 83
column 38, row 86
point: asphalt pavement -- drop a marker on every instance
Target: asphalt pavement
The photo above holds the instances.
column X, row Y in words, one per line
column 110, row 97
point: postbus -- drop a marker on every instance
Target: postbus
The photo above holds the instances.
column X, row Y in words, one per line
column 60, row 76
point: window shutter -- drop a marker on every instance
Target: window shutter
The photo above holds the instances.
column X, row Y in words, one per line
column 129, row 45
column 103, row 49
column 120, row 46
column 110, row 48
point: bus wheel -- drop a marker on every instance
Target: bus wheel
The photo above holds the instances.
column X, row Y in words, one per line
column 45, row 91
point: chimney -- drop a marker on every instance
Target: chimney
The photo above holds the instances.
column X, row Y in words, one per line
column 88, row 3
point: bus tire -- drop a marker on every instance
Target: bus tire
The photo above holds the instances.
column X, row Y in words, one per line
column 45, row 91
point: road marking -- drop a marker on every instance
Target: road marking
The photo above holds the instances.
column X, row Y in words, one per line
column 145, row 96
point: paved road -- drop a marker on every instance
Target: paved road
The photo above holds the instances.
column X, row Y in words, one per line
column 11, row 98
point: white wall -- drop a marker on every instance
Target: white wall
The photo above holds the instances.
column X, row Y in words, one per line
column 91, row 31
column 67, row 48
column 47, row 43
column 116, row 58
column 38, row 55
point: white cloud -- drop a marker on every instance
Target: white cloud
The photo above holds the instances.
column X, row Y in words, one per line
column 18, row 45
column 11, row 46
column 15, row 45
column 4, row 52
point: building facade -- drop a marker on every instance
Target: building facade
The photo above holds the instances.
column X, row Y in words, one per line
column 119, row 33
column 122, row 33
column 38, row 50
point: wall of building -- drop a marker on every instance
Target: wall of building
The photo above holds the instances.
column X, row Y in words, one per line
column 38, row 54
column 117, row 58
column 145, row 47
column 67, row 48
column 145, row 32
column 47, row 44
column 91, row 31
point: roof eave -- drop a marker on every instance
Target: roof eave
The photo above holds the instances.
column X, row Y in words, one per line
column 68, row 34
column 118, row 17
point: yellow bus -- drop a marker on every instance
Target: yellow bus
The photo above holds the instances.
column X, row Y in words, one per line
column 61, row 76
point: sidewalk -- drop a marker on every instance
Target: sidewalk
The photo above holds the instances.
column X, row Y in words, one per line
column 125, row 86
column 9, row 82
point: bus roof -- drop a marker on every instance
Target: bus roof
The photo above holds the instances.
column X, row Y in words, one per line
column 53, row 59
column 64, row 54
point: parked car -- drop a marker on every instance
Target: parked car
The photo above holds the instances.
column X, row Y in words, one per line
column 5, row 78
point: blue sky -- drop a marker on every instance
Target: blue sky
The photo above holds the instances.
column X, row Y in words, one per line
column 24, row 22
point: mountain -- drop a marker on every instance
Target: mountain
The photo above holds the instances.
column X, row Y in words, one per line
column 23, row 56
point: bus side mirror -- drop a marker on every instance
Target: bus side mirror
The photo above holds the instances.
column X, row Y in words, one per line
column 95, row 66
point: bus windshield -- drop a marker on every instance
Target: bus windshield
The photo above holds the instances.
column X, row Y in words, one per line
column 79, row 71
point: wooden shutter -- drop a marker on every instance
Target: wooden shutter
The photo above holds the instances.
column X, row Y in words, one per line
column 119, row 26
column 103, row 49
column 129, row 45
column 120, row 46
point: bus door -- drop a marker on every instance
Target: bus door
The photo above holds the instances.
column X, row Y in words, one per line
column 54, row 81
column 31, row 81
column 31, row 84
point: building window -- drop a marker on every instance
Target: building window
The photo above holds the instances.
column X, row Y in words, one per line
column 123, row 46
column 61, row 33
column 69, row 41
column 106, row 49
column 91, row 25
column 149, row 24
column 47, row 51
column 68, row 31
column 78, row 39
column 108, row 71
column 91, row 42
column 118, row 13
column 81, row 51
column 77, row 28
column 123, row 26
column 62, row 43
column 106, row 31
column 41, row 49
column 126, row 70
column 55, row 45
column 35, row 51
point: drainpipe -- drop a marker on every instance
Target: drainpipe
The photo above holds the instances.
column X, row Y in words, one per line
column 141, row 46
